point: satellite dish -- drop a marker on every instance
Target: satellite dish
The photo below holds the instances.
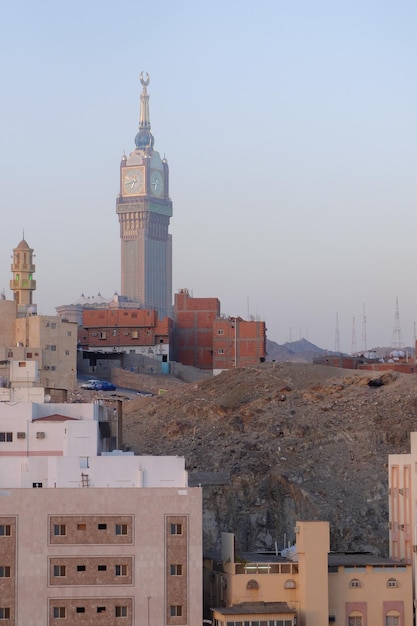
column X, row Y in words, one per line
column 47, row 398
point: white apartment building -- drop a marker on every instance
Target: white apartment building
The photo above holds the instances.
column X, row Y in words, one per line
column 89, row 536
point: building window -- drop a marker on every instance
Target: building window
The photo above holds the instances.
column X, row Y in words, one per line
column 80, row 609
column 121, row 570
column 220, row 351
column 52, row 348
column 101, row 609
column 67, row 352
column 252, row 584
column 81, row 526
column 60, row 529
column 220, row 331
column 355, row 620
column 176, row 529
column 392, row 620
column 175, row 569
column 4, row 571
column 290, row 584
column 6, row 437
column 5, row 530
column 392, row 582
column 80, row 568
column 59, row 611
column 102, row 526
column 68, row 333
column 53, row 325
column 4, row 613
column 103, row 335
column 354, row 583
column 121, row 611
column 101, row 568
column 59, row 570
column 121, row 529
column 176, row 610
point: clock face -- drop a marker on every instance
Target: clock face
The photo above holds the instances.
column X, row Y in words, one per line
column 133, row 181
column 157, row 183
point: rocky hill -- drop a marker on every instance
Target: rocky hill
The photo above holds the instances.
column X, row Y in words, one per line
column 281, row 442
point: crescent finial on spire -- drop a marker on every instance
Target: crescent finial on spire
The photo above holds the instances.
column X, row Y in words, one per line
column 144, row 81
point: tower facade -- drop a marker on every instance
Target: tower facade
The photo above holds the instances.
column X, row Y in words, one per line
column 22, row 283
column 144, row 209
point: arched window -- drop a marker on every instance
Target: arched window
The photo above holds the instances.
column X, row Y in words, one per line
column 354, row 583
column 252, row 584
column 355, row 619
column 290, row 584
column 392, row 582
column 392, row 618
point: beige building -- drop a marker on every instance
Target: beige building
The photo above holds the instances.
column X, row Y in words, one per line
column 402, row 494
column 89, row 536
column 306, row 585
column 36, row 351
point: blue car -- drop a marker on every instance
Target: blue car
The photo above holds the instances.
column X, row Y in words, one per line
column 104, row 385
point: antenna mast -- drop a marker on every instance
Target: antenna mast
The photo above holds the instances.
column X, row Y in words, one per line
column 364, row 346
column 337, row 336
column 397, row 340
column 353, row 336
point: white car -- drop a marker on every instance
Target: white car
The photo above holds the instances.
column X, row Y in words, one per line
column 90, row 384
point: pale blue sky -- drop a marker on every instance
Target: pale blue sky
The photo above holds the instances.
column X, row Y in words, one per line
column 290, row 129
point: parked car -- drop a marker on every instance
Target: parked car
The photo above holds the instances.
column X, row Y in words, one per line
column 89, row 384
column 104, row 385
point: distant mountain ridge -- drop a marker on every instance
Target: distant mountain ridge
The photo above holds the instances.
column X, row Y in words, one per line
column 301, row 351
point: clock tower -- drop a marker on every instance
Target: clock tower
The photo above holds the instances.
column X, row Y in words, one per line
column 144, row 209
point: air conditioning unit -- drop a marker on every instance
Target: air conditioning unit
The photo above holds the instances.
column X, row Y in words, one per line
column 40, row 435
column 21, row 435
column 46, row 367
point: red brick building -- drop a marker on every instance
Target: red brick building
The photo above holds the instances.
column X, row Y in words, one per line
column 134, row 331
column 204, row 339
column 193, row 322
column 238, row 343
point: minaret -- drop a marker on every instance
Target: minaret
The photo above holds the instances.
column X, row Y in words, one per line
column 22, row 283
column 144, row 209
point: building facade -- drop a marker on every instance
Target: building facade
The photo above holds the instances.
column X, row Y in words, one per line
column 144, row 209
column 205, row 339
column 132, row 331
column 307, row 586
column 90, row 536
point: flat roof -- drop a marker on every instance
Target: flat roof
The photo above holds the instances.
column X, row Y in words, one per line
column 253, row 608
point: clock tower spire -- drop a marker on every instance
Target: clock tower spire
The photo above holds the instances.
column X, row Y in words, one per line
column 144, row 209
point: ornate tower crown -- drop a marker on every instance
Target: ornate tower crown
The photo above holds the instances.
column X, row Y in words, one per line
column 144, row 139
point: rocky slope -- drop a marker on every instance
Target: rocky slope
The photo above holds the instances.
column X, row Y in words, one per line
column 281, row 442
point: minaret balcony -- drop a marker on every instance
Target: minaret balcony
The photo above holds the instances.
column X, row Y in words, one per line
column 22, row 283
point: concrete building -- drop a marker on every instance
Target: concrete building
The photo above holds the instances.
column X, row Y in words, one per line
column 144, row 209
column 306, row 585
column 36, row 351
column 89, row 535
column 402, row 494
